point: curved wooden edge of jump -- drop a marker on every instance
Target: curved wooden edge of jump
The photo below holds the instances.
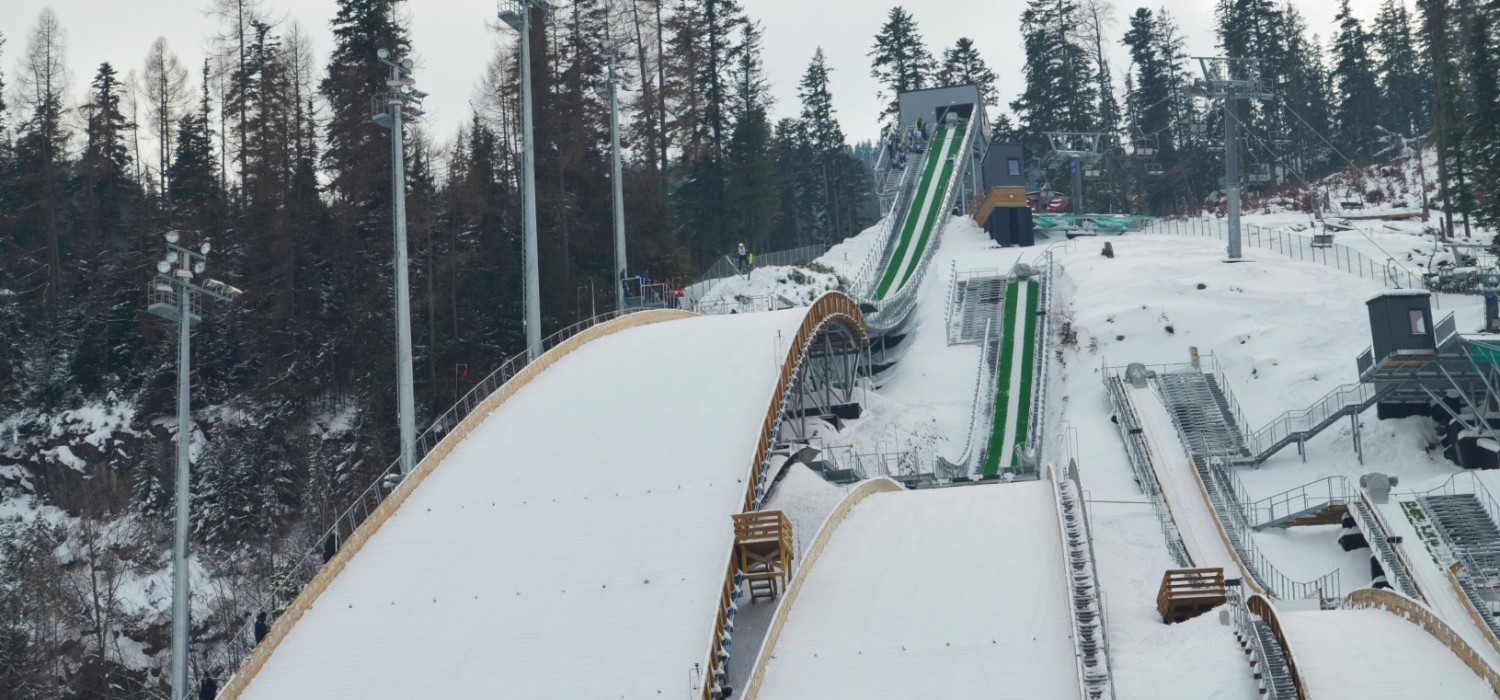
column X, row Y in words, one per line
column 1261, row 605
column 1419, row 615
column 828, row 308
column 356, row 540
column 809, row 559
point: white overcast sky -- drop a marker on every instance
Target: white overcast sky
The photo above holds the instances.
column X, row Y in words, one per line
column 452, row 42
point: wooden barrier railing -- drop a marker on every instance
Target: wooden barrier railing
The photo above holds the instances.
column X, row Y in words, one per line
column 809, row 558
column 1419, row 615
column 1188, row 593
column 1261, row 605
column 831, row 307
column 429, row 463
column 1451, row 573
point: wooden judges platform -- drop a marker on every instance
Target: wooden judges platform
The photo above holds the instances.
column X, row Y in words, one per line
column 764, row 551
column 1188, row 593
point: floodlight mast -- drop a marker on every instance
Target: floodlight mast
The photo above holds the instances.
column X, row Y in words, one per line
column 172, row 298
column 401, row 97
column 1232, row 80
column 612, row 83
column 517, row 15
column 1077, row 149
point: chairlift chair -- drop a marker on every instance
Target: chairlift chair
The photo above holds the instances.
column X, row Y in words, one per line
column 1154, row 169
column 1145, row 148
column 1091, row 172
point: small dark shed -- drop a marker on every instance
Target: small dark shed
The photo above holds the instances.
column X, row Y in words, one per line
column 1401, row 320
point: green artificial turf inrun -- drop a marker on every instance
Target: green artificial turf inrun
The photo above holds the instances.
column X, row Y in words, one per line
column 1026, row 326
column 937, row 164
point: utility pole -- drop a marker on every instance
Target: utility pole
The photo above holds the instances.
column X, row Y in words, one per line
column 610, row 90
column 174, row 297
column 1232, row 80
column 1079, row 149
column 517, row 15
column 401, row 97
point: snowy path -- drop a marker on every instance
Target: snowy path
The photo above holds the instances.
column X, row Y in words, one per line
column 944, row 593
column 1374, row 654
column 572, row 546
column 1433, row 582
column 1195, row 519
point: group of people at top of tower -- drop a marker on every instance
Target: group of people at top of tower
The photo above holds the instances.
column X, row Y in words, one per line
column 913, row 141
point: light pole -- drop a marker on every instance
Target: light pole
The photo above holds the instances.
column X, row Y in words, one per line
column 173, row 296
column 401, row 97
column 1078, row 149
column 517, row 14
column 610, row 90
column 1232, row 80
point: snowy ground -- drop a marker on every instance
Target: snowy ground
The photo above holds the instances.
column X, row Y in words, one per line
column 939, row 593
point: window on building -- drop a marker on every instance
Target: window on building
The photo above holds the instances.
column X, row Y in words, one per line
column 1015, row 166
column 1418, row 322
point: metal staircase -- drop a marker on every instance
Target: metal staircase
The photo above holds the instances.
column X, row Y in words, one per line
column 1140, row 455
column 1088, row 613
column 1299, row 425
column 1334, row 493
column 1210, row 435
column 1276, row 676
column 974, row 303
column 1466, row 526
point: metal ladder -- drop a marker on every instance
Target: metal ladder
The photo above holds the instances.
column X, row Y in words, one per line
column 1088, row 618
column 1202, row 412
column 1465, row 526
column 1275, row 674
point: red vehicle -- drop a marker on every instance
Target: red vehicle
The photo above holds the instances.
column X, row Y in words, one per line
column 1056, row 202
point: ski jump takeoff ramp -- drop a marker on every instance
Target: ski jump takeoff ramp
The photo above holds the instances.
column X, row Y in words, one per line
column 934, row 593
column 574, row 542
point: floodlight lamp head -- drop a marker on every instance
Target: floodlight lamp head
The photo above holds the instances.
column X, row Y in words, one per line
column 383, row 54
column 164, row 267
column 173, row 237
column 607, row 44
column 407, row 64
column 172, row 256
column 205, row 248
column 198, row 268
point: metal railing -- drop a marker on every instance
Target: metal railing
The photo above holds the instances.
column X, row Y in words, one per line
column 723, row 268
column 292, row 574
column 984, row 383
column 1327, row 491
column 1142, row 463
column 1388, row 272
column 1334, row 405
column 863, row 282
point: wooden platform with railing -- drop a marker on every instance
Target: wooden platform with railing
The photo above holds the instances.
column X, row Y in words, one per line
column 764, row 548
column 1188, row 593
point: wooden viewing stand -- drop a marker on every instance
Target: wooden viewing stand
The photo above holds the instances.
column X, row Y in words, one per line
column 1188, row 593
column 764, row 551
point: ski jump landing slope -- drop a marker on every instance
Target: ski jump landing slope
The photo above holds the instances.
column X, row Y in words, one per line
column 1373, row 654
column 940, row 593
column 573, row 545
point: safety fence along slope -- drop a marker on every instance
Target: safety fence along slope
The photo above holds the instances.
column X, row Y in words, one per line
column 1388, row 272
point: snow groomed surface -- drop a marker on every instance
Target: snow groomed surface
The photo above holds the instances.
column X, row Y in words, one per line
column 1373, row 654
column 940, row 593
column 925, row 214
column 572, row 546
column 1013, row 396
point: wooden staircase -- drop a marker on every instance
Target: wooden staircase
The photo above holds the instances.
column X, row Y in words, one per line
column 1330, row 514
column 1188, row 593
column 764, row 551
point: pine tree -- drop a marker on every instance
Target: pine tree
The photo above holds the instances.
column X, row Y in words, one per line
column 754, row 194
column 900, row 61
column 830, row 172
column 165, row 84
column 1484, row 121
column 962, row 65
column 1354, row 80
column 41, row 147
column 1059, row 94
column 1405, row 94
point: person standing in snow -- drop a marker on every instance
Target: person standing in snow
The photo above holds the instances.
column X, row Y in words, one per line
column 742, row 259
column 262, row 627
column 208, row 689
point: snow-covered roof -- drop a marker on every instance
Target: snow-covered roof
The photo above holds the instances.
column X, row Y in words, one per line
column 572, row 546
column 1401, row 293
column 949, row 593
